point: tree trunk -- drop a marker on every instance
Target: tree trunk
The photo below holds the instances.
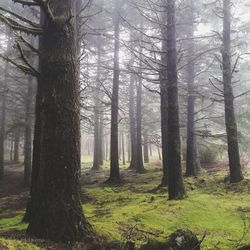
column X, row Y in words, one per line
column 11, row 146
column 145, row 148
column 132, row 121
column 159, row 153
column 107, row 148
column 3, row 112
column 231, row 126
column 101, row 148
column 55, row 199
column 28, row 132
column 129, row 147
column 3, row 120
column 190, row 158
column 175, row 181
column 139, row 163
column 96, row 93
column 123, row 150
column 114, row 156
column 164, row 99
column 16, row 144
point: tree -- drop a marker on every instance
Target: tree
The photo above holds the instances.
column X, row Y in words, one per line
column 54, row 211
column 191, row 169
column 231, row 126
column 163, row 74
column 114, row 155
column 3, row 111
column 176, row 188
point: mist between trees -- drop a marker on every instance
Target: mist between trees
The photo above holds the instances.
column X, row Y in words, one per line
column 115, row 89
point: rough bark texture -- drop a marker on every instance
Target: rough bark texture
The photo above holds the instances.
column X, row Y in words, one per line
column 164, row 99
column 175, row 181
column 231, row 126
column 56, row 212
column 114, row 156
column 190, row 76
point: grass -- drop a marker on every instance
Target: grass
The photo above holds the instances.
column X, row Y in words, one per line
column 213, row 208
column 131, row 212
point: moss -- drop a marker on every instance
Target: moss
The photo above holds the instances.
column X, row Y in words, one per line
column 213, row 208
column 7, row 224
column 10, row 244
column 132, row 212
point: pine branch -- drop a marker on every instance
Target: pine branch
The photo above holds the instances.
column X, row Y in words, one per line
column 26, row 70
column 25, row 60
column 25, row 3
column 20, row 17
column 31, row 47
column 18, row 27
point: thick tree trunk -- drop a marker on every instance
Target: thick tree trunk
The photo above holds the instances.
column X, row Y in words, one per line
column 175, row 181
column 28, row 132
column 164, row 99
column 55, row 199
column 114, row 156
column 191, row 147
column 231, row 126
column 145, row 148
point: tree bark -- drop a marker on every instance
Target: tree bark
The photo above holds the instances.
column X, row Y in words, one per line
column 190, row 72
column 114, row 156
column 164, row 98
column 55, row 198
column 231, row 126
column 175, row 181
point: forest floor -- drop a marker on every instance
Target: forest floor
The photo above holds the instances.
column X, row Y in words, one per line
column 216, row 211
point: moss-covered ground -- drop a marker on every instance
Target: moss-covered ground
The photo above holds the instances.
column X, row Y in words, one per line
column 216, row 211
